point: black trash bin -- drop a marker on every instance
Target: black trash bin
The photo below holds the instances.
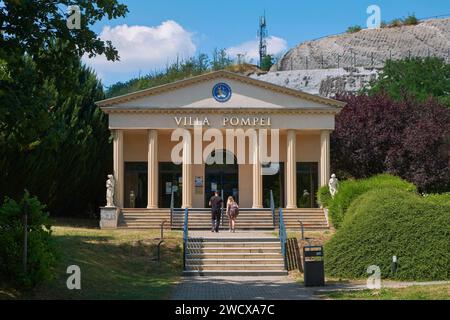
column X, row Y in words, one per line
column 313, row 268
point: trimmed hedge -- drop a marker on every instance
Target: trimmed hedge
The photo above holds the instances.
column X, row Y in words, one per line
column 349, row 190
column 324, row 196
column 382, row 223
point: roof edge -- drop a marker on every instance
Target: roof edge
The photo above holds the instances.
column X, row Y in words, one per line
column 217, row 74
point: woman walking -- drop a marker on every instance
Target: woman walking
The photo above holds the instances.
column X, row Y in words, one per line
column 232, row 212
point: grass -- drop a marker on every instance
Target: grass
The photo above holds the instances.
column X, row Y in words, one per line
column 115, row 264
column 431, row 292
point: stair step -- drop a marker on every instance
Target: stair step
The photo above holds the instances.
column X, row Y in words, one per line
column 225, row 272
column 233, row 255
column 278, row 267
column 208, row 261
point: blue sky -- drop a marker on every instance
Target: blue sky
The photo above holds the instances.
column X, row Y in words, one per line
column 156, row 32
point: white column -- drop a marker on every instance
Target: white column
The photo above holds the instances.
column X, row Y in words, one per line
column 291, row 170
column 257, row 178
column 118, row 167
column 187, row 171
column 152, row 197
column 324, row 157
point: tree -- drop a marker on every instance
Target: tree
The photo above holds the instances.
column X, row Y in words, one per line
column 267, row 62
column 375, row 134
column 54, row 141
column 417, row 78
column 30, row 26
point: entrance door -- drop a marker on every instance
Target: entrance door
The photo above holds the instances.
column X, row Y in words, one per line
column 170, row 178
column 223, row 176
column 136, row 182
column 307, row 184
column 274, row 182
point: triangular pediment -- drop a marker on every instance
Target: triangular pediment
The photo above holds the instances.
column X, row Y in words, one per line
column 197, row 93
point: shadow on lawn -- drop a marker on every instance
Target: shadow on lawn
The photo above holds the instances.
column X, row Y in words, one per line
column 113, row 269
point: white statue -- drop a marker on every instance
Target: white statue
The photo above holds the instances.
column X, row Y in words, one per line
column 333, row 185
column 110, row 189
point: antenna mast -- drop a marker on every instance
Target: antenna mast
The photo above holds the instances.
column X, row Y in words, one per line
column 262, row 35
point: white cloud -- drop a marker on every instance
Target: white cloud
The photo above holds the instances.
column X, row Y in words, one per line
column 275, row 45
column 142, row 48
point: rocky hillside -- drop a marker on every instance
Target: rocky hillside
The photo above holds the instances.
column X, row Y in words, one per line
column 348, row 62
column 324, row 82
column 370, row 47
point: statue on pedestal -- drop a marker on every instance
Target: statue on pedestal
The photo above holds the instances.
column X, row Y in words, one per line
column 110, row 189
column 333, row 185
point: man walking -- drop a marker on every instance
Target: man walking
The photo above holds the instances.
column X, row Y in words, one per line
column 216, row 205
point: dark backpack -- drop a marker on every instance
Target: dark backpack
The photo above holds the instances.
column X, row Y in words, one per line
column 234, row 210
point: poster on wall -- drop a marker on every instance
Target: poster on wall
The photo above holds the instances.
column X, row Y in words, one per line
column 198, row 181
column 168, row 187
column 213, row 186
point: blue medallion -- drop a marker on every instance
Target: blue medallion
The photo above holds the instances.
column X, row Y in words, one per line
column 221, row 92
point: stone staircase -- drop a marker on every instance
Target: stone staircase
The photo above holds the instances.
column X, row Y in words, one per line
column 312, row 218
column 144, row 218
column 248, row 219
column 234, row 256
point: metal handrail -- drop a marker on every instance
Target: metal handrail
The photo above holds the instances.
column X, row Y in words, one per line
column 283, row 236
column 185, row 236
column 172, row 201
column 272, row 207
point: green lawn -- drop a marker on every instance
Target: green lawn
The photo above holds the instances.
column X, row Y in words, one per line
column 432, row 292
column 116, row 264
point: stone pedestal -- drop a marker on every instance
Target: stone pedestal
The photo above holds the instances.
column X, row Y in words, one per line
column 108, row 217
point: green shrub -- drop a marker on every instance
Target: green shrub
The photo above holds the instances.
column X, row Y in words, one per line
column 410, row 20
column 324, row 196
column 396, row 23
column 40, row 255
column 439, row 199
column 349, row 190
column 383, row 223
column 353, row 29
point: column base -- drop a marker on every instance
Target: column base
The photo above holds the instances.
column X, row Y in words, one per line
column 152, row 207
column 291, row 207
column 257, row 207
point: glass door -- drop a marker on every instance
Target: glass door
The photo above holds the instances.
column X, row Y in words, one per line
column 170, row 178
column 307, row 184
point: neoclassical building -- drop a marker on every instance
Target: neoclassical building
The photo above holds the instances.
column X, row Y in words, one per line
column 143, row 124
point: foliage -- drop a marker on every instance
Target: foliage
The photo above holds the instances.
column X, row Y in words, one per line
column 50, row 128
column 385, row 222
column 324, row 196
column 438, row 198
column 50, row 132
column 354, row 29
column 349, row 190
column 375, row 134
column 41, row 254
column 267, row 62
column 417, row 78
column 411, row 20
column 176, row 71
column 29, row 27
column 416, row 292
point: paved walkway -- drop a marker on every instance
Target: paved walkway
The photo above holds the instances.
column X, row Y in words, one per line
column 237, row 288
column 265, row 288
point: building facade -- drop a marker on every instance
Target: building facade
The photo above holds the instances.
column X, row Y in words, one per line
column 183, row 138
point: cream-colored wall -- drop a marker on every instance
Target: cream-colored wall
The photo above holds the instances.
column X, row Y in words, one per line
column 198, row 96
column 135, row 146
column 135, row 149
